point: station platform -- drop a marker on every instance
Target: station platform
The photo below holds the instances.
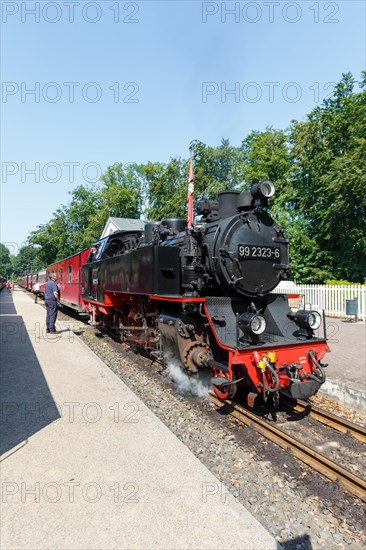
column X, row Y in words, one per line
column 346, row 373
column 86, row 465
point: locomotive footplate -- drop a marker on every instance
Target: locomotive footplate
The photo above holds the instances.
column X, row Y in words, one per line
column 303, row 390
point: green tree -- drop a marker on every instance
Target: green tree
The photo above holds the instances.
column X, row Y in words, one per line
column 76, row 225
column 167, row 189
column 80, row 215
column 27, row 260
column 121, row 195
column 53, row 238
column 122, row 192
column 329, row 179
column 6, row 267
column 216, row 168
column 266, row 155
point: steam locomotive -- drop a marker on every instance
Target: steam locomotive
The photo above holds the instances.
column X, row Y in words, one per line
column 200, row 297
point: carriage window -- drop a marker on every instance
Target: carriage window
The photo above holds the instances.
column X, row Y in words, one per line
column 60, row 275
column 70, row 273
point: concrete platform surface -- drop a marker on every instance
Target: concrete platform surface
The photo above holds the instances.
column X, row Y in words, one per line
column 85, row 465
column 346, row 373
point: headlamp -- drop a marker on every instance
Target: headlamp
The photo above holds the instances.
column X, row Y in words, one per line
column 307, row 319
column 263, row 190
column 267, row 188
column 252, row 323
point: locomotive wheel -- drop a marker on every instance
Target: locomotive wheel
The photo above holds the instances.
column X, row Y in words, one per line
column 224, row 393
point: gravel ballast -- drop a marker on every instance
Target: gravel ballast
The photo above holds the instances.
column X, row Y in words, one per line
column 301, row 509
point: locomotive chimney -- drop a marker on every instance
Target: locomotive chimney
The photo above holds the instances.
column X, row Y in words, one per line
column 228, row 201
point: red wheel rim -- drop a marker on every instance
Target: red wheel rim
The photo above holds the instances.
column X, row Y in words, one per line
column 221, row 394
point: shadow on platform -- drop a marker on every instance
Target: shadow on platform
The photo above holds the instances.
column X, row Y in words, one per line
column 6, row 303
column 27, row 404
column 303, row 542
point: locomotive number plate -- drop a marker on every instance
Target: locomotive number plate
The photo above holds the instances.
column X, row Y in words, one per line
column 252, row 252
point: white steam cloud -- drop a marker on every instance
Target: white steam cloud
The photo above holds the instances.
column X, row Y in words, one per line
column 194, row 384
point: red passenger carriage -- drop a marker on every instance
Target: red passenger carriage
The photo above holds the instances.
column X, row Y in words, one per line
column 69, row 278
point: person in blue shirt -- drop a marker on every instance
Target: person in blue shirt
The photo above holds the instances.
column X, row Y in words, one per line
column 51, row 299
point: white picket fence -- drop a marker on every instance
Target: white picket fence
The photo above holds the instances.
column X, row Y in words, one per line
column 331, row 299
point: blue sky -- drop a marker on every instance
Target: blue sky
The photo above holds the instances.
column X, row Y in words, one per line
column 146, row 77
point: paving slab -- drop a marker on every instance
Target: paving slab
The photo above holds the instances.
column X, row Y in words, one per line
column 86, row 465
column 346, row 373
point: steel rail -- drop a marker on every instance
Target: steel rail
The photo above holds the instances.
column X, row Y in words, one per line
column 320, row 463
column 329, row 419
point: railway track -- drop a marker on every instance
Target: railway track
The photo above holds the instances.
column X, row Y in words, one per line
column 329, row 419
column 354, row 484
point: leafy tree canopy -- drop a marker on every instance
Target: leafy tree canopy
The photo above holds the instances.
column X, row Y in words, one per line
column 328, row 182
column 317, row 166
column 6, row 267
column 27, row 260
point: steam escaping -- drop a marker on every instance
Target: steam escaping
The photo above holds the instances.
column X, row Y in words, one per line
column 194, row 384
